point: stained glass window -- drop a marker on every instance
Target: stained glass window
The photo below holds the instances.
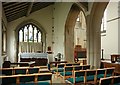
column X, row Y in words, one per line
column 29, row 33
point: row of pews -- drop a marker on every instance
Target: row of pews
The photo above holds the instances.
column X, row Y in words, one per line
column 82, row 74
column 69, row 73
column 25, row 76
column 27, row 79
column 23, row 70
column 113, row 80
column 90, row 76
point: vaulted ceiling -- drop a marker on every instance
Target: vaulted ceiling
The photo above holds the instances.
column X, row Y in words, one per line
column 15, row 10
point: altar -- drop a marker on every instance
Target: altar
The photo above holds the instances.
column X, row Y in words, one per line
column 39, row 58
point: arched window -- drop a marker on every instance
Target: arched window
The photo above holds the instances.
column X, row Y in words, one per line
column 29, row 33
column 30, row 39
column 104, row 24
column 80, row 30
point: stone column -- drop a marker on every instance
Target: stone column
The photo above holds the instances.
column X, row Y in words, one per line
column 93, row 45
column 94, row 34
column 1, row 59
column 90, row 44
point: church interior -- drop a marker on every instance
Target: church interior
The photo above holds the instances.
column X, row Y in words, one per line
column 64, row 42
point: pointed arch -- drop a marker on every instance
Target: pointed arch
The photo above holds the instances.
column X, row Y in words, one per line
column 40, row 29
column 69, row 31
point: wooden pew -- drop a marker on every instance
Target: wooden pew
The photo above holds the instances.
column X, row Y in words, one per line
column 92, row 76
column 27, row 79
column 6, row 71
column 60, row 67
column 78, row 78
column 109, row 71
column 101, row 73
column 68, row 70
column 23, row 70
column 116, row 80
column 106, row 81
column 113, row 80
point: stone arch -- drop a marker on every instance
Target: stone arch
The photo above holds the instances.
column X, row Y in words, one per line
column 35, row 23
column 93, row 24
column 69, row 31
column 94, row 20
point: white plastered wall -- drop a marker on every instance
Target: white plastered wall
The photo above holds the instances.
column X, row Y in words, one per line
column 110, row 42
column 51, row 16
column 43, row 17
column 60, row 15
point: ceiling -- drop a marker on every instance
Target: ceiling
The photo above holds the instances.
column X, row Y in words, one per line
column 15, row 10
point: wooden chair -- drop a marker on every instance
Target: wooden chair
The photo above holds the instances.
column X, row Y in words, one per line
column 67, row 72
column 76, row 64
column 106, row 81
column 100, row 74
column 90, row 77
column 20, row 70
column 116, row 80
column 58, row 69
column 33, row 70
column 44, row 69
column 68, row 64
column 85, row 67
column 6, row 71
column 78, row 77
column 27, row 79
column 46, row 79
column 76, row 68
column 8, row 80
column 109, row 71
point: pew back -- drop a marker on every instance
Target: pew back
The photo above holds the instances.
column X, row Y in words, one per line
column 28, row 78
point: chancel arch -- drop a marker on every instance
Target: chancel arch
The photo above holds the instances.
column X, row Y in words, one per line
column 31, row 37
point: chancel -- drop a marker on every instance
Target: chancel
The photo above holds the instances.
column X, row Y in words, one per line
column 59, row 42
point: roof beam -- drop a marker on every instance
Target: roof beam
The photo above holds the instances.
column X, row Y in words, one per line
column 13, row 13
column 11, row 18
column 17, row 9
column 17, row 6
column 12, row 5
column 3, row 14
column 29, row 9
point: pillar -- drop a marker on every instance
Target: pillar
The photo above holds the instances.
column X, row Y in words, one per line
column 94, row 20
column 1, row 59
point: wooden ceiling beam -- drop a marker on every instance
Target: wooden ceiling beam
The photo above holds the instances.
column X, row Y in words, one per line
column 11, row 5
column 3, row 12
column 14, row 13
column 29, row 9
column 11, row 18
column 17, row 9
column 5, row 3
column 12, row 8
